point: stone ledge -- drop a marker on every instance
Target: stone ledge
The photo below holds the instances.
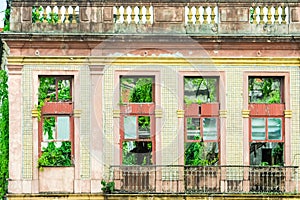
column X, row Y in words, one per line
column 151, row 196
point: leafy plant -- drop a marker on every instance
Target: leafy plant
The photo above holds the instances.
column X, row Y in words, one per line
column 107, row 187
column 195, row 154
column 4, row 133
column 56, row 156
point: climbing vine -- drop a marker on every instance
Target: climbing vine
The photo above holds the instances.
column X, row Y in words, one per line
column 4, row 133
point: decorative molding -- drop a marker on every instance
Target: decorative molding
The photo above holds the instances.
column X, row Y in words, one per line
column 15, row 69
column 95, row 62
column 77, row 113
column 245, row 113
column 158, row 113
column 34, row 112
column 96, row 69
column 116, row 113
column 288, row 113
column 180, row 113
column 223, row 113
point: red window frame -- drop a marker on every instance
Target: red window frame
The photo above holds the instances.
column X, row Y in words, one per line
column 202, row 111
column 138, row 109
column 267, row 111
column 56, row 109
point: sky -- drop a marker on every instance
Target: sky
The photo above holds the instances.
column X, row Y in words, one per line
column 2, row 12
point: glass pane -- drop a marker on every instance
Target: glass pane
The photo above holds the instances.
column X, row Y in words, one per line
column 130, row 127
column 258, row 128
column 210, row 130
column 49, row 128
column 200, row 90
column 144, row 127
column 63, row 128
column 136, row 89
column 64, row 90
column 274, row 129
column 193, row 129
column 137, row 153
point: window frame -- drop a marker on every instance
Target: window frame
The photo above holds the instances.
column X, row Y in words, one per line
column 268, row 110
column 138, row 109
column 56, row 109
column 206, row 110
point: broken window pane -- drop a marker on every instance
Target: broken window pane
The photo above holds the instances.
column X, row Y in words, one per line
column 63, row 128
column 54, row 89
column 210, row 129
column 193, row 129
column 267, row 153
column 49, row 128
column 144, row 127
column 130, row 127
column 258, row 128
column 201, row 153
column 200, row 90
column 64, row 90
column 136, row 89
column 137, row 153
column 265, row 90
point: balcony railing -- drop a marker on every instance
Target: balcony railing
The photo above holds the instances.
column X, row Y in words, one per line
column 204, row 179
column 146, row 16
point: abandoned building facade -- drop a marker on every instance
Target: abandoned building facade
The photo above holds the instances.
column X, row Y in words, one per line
column 154, row 96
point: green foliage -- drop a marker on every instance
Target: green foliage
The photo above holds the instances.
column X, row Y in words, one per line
column 4, row 133
column 6, row 20
column 251, row 12
column 142, row 92
column 37, row 16
column 107, row 187
column 264, row 90
column 199, row 90
column 56, row 156
column 195, row 154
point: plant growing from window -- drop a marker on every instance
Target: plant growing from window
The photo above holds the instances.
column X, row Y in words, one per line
column 196, row 154
column 264, row 90
column 55, row 145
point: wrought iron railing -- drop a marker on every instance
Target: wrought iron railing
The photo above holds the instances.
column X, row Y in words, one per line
column 204, row 179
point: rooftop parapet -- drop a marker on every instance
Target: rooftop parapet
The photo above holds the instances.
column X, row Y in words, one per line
column 204, row 17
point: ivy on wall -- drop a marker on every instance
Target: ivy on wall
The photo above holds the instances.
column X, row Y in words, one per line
column 4, row 133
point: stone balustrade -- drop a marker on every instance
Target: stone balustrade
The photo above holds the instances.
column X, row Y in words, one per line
column 192, row 17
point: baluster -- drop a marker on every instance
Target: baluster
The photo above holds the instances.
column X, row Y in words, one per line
column 45, row 15
column 132, row 15
column 197, row 15
column 67, row 21
column 190, row 15
column 269, row 15
column 205, row 15
column 148, row 14
column 283, row 15
column 140, row 14
column 125, row 15
column 73, row 15
column 212, row 15
column 255, row 15
column 59, row 15
column 276, row 15
column 261, row 14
